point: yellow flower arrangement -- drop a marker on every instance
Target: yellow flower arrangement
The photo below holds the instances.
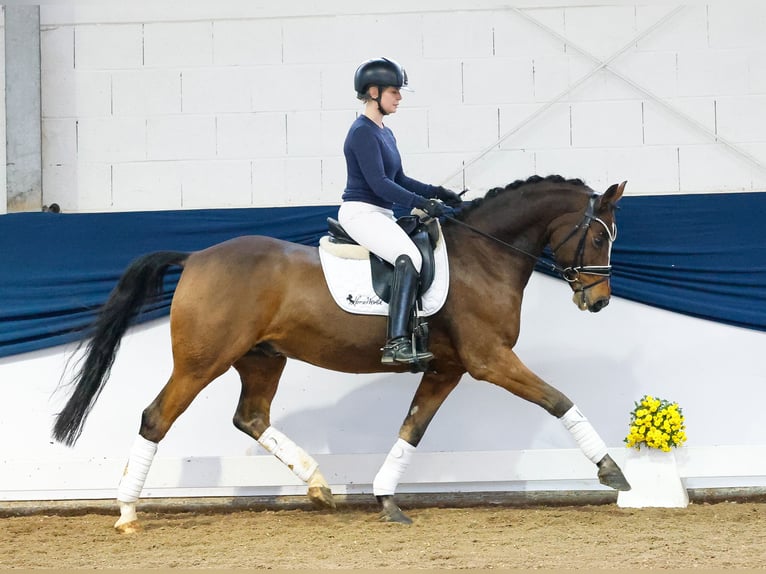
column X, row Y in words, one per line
column 656, row 423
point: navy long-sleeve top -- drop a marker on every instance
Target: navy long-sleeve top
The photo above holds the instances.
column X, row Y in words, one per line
column 374, row 167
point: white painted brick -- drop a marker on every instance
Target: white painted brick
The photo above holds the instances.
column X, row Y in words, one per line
column 590, row 165
column 317, row 133
column 712, row 73
column 550, row 77
column 549, row 128
column 146, row 92
column 251, row 135
column 742, row 119
column 247, row 42
column 606, row 124
column 333, row 179
column 56, row 48
column 498, row 169
column 468, row 128
column 436, row 168
column 713, row 168
column 737, row 24
column 111, row 139
column 410, row 127
column 600, row 30
column 654, row 71
column 216, row 90
column 147, row 186
column 178, row 44
column 108, row 46
column 337, row 87
column 687, row 30
column 285, row 182
column 434, row 81
column 286, row 88
column 215, row 184
column 498, row 80
column 78, row 187
column 351, row 38
column 758, row 151
column 756, row 72
column 75, row 93
column 180, row 137
column 59, row 141
column 663, row 126
column 515, row 36
column 649, row 170
column 457, row 35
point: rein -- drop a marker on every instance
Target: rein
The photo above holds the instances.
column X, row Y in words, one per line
column 572, row 273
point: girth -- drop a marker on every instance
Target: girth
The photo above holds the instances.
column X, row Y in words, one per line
column 424, row 234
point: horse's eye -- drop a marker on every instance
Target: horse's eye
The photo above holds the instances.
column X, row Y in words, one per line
column 599, row 239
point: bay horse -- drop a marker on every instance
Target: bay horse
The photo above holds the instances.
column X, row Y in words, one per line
column 254, row 302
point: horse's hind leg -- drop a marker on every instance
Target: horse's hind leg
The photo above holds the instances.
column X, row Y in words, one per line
column 429, row 396
column 156, row 420
column 260, row 375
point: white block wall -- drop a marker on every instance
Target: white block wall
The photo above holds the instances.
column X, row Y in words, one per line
column 232, row 104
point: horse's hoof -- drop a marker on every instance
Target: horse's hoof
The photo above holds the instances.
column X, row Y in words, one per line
column 321, row 497
column 132, row 527
column 391, row 512
column 609, row 474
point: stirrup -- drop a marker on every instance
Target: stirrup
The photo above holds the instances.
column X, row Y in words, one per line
column 400, row 350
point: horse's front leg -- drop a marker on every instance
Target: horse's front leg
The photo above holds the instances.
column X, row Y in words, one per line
column 507, row 371
column 429, row 396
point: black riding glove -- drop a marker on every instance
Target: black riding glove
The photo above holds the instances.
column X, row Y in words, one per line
column 449, row 197
column 435, row 208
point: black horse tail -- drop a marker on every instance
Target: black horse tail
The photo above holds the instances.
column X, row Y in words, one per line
column 140, row 282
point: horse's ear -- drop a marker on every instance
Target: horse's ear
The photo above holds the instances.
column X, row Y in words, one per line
column 612, row 195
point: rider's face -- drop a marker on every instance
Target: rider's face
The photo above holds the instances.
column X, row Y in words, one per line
column 390, row 99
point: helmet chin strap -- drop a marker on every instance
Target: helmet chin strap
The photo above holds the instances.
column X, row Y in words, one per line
column 377, row 100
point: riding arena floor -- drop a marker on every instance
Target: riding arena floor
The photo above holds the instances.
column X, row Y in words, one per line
column 724, row 534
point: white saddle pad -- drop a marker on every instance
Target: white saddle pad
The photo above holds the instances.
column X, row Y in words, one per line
column 350, row 282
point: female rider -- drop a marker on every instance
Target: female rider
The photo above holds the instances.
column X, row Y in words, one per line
column 375, row 183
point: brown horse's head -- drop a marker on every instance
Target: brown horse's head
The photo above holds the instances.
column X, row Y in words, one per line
column 584, row 250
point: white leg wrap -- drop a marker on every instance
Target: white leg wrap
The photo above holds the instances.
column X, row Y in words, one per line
column 134, row 476
column 584, row 433
column 393, row 468
column 296, row 459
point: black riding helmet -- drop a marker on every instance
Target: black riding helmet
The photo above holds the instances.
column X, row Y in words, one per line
column 380, row 72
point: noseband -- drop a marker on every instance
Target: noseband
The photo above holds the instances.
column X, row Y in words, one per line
column 572, row 273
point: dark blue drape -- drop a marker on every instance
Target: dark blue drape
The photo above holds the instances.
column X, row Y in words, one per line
column 702, row 255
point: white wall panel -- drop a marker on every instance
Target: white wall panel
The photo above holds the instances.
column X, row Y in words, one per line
column 664, row 126
column 589, row 164
column 76, row 93
column 606, row 124
column 146, row 92
column 712, row 73
column 110, row 46
column 741, row 119
column 737, row 24
column 515, row 36
column 56, row 48
column 649, row 170
column 707, row 168
column 227, row 183
column 464, row 35
column 247, row 42
column 552, row 128
column 216, row 90
column 688, row 30
column 111, row 139
column 180, row 137
column 147, row 186
column 178, row 44
column 498, row 80
column 464, row 129
column 81, row 186
column 256, row 135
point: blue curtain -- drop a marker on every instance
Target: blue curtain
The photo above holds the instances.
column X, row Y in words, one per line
column 701, row 255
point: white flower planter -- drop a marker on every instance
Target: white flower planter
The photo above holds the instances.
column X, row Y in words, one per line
column 653, row 476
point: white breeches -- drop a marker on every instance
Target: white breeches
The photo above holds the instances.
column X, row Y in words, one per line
column 376, row 229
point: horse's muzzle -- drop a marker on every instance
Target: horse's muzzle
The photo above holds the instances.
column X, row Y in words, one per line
column 585, row 302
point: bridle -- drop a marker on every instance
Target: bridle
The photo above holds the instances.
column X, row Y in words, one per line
column 570, row 274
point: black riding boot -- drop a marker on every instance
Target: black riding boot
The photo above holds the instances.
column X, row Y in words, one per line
column 404, row 289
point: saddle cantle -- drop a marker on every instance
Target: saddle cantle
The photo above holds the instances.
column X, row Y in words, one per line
column 424, row 234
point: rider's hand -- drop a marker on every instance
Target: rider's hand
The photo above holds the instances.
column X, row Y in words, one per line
column 436, row 208
column 449, row 197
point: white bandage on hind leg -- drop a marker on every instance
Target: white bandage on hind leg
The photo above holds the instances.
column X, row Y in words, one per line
column 133, row 478
column 296, row 459
column 584, row 433
column 393, row 468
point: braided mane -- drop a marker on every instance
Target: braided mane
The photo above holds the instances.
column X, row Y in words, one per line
column 469, row 206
